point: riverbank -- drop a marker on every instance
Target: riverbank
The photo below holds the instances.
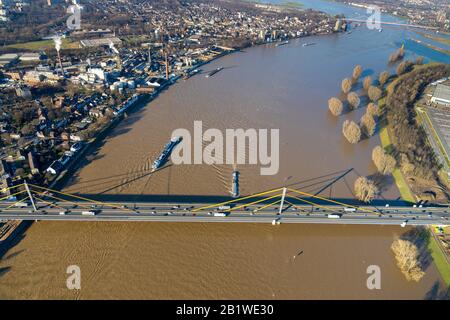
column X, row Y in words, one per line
column 436, row 251
column 432, row 47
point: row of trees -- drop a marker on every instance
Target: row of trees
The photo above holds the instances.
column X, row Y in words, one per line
column 352, row 131
column 365, row 189
column 411, row 147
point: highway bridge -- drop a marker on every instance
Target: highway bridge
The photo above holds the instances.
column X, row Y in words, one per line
column 282, row 205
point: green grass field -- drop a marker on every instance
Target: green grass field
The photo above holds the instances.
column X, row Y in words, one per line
column 43, row 45
column 439, row 259
column 400, row 181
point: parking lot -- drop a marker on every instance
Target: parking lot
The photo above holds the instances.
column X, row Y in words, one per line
column 441, row 123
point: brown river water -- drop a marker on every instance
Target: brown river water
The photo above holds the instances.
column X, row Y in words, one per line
column 264, row 87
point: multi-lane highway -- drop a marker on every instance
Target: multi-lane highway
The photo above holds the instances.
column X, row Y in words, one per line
column 166, row 212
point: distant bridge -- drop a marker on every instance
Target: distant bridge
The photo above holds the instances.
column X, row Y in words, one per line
column 282, row 205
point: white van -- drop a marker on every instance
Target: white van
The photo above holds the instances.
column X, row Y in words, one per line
column 220, row 214
column 334, row 216
column 89, row 213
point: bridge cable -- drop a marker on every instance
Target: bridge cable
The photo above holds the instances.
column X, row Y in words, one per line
column 332, row 201
column 235, row 200
column 268, row 205
column 312, row 203
column 252, row 203
column 49, row 203
column 63, row 200
column 12, row 187
column 12, row 195
column 82, row 198
column 28, row 197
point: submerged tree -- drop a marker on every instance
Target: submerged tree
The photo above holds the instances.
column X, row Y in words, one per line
column 403, row 67
column 419, row 60
column 407, row 257
column 365, row 189
column 384, row 162
column 346, row 85
column 335, row 106
column 374, row 93
column 372, row 109
column 383, row 78
column 357, row 71
column 351, row 131
column 367, row 82
column 368, row 124
column 353, row 100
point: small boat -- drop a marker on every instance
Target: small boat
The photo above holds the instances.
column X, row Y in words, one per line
column 282, row 43
column 214, row 72
column 308, row 44
column 191, row 73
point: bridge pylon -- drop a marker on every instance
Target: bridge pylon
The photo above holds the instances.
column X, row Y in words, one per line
column 283, row 195
column 30, row 195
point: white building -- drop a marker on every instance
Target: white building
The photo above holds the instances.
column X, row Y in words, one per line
column 441, row 95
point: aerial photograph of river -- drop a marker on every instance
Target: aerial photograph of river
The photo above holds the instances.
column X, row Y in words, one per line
column 285, row 87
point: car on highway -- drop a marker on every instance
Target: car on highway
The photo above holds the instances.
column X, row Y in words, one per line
column 334, row 216
column 21, row 204
column 89, row 213
column 221, row 214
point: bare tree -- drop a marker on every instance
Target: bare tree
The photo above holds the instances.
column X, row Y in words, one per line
column 403, row 67
column 365, row 189
column 346, row 85
column 407, row 257
column 372, row 109
column 357, row 71
column 368, row 124
column 335, row 106
column 374, row 93
column 385, row 163
column 419, row 60
column 351, row 131
column 367, row 82
column 383, row 78
column 353, row 100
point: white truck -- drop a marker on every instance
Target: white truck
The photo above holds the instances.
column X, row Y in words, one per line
column 334, row 216
column 21, row 204
column 220, row 214
column 89, row 213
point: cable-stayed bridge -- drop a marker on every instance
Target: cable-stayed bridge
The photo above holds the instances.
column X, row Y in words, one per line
column 281, row 205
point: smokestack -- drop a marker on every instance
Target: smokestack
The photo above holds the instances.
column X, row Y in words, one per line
column 60, row 63
column 58, row 43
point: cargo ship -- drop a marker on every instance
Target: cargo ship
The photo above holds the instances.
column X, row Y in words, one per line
column 165, row 154
column 214, row 72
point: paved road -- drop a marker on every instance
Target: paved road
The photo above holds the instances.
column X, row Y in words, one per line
column 165, row 212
